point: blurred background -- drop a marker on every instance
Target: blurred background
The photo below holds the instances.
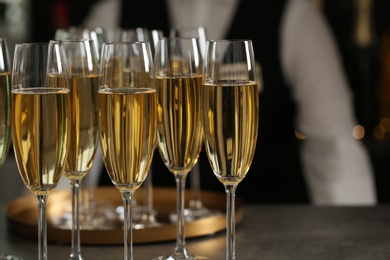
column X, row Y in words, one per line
column 361, row 28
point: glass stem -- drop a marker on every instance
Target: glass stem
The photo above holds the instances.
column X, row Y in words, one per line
column 230, row 222
column 85, row 199
column 196, row 202
column 148, row 193
column 127, row 225
column 76, row 250
column 42, row 226
column 180, row 250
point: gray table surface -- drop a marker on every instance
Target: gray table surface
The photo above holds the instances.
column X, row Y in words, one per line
column 267, row 232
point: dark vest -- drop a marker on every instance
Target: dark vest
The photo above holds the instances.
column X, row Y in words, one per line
column 275, row 175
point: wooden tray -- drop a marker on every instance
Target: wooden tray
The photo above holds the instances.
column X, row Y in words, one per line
column 22, row 217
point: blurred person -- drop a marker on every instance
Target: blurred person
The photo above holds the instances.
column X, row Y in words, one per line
column 304, row 90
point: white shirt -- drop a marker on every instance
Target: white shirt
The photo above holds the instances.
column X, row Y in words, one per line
column 337, row 166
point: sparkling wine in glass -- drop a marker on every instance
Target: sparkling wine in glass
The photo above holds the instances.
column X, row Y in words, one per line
column 178, row 80
column 5, row 112
column 128, row 112
column 144, row 215
column 84, row 132
column 92, row 214
column 195, row 209
column 230, row 112
column 40, row 122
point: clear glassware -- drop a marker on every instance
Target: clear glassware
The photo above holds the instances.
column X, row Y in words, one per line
column 40, row 122
column 5, row 112
column 178, row 80
column 9, row 257
column 128, row 121
column 144, row 215
column 195, row 209
column 78, row 33
column 230, row 112
column 92, row 214
column 83, row 75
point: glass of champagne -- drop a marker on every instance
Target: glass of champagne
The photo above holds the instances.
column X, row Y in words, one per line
column 84, row 132
column 5, row 111
column 128, row 112
column 230, row 112
column 196, row 209
column 92, row 215
column 178, row 79
column 144, row 216
column 40, row 122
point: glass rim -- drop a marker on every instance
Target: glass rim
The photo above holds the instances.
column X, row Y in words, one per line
column 71, row 40
column 32, row 44
column 230, row 40
column 124, row 42
column 175, row 38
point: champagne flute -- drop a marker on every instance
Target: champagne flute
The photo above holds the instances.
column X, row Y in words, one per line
column 128, row 112
column 83, row 77
column 230, row 112
column 196, row 209
column 178, row 79
column 146, row 218
column 5, row 111
column 92, row 215
column 40, row 122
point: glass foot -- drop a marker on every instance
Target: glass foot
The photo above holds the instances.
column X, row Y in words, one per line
column 101, row 216
column 10, row 257
column 191, row 214
column 147, row 220
column 181, row 254
column 173, row 257
column 142, row 217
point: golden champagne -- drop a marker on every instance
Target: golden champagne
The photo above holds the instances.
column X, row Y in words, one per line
column 127, row 134
column 84, row 131
column 231, row 117
column 179, row 121
column 5, row 115
column 40, row 132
